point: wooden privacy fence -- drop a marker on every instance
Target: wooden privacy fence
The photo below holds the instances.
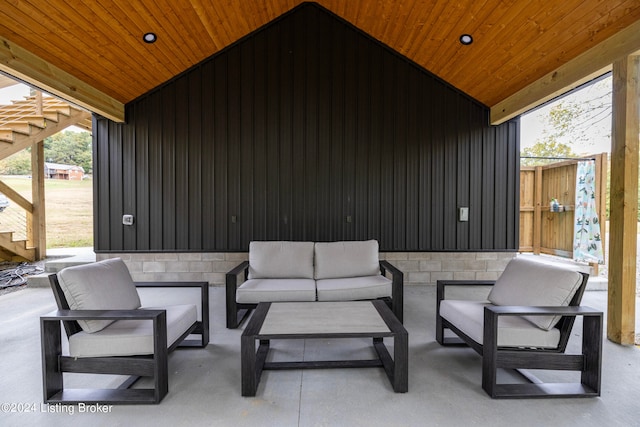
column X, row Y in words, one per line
column 547, row 232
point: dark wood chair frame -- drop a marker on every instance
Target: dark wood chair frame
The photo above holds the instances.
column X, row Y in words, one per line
column 54, row 363
column 589, row 362
column 237, row 312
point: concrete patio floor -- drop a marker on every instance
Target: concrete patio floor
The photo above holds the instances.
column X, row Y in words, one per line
column 204, row 384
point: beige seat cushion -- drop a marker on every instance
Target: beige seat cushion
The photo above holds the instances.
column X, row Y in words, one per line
column 289, row 260
column 513, row 331
column 104, row 285
column 336, row 260
column 353, row 288
column 254, row 291
column 132, row 337
column 527, row 282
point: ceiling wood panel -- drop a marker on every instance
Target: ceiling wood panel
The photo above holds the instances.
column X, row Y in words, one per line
column 516, row 42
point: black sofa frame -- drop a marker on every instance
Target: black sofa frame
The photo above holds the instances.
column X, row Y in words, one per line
column 237, row 312
column 54, row 363
column 588, row 362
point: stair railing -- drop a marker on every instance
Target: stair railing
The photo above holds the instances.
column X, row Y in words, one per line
column 17, row 217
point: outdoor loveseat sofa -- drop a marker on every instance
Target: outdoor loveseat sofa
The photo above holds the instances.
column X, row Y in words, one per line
column 524, row 324
column 308, row 271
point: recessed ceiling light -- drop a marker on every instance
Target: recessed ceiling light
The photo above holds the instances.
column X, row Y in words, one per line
column 466, row 39
column 150, row 38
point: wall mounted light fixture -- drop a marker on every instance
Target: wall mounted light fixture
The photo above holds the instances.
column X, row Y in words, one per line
column 150, row 38
column 466, row 39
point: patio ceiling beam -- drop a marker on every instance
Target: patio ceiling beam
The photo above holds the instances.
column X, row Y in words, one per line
column 33, row 70
column 585, row 67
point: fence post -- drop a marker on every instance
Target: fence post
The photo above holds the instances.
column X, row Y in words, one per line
column 537, row 209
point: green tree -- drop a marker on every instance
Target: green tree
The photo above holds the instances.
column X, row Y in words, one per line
column 573, row 122
column 544, row 152
column 17, row 164
column 576, row 121
column 69, row 148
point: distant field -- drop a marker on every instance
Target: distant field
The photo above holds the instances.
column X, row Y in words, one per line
column 69, row 210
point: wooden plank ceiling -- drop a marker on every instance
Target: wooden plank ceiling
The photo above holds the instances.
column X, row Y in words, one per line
column 92, row 50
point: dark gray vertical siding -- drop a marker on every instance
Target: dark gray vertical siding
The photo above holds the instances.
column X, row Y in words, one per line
column 376, row 167
column 115, row 202
column 235, row 166
column 488, row 175
column 141, row 178
column 500, row 188
column 258, row 164
column 208, row 200
column 311, row 67
column 284, row 139
column 154, row 109
column 194, row 181
column 298, row 152
column 169, row 148
column 463, row 163
column 306, row 130
column 436, row 165
column 363, row 134
column 182, row 166
column 128, row 181
column 513, row 188
column 424, row 164
column 477, row 134
column 412, row 164
column 451, row 120
column 246, row 92
column 272, row 136
column 220, row 162
column 336, row 113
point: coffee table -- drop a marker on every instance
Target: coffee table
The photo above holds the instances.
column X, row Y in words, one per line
column 340, row 319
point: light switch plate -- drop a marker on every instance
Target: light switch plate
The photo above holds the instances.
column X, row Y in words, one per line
column 463, row 214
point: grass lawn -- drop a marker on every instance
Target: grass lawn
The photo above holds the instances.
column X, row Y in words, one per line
column 69, row 210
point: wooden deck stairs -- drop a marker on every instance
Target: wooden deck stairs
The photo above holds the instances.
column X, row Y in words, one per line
column 35, row 118
column 15, row 250
column 23, row 124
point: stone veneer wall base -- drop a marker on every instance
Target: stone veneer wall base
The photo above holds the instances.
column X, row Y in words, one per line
column 420, row 268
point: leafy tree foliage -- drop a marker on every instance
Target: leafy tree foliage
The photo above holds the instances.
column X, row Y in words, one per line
column 545, row 152
column 68, row 147
column 18, row 164
column 576, row 122
column 573, row 123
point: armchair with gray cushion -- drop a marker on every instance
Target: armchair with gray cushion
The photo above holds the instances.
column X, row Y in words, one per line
column 110, row 333
column 525, row 324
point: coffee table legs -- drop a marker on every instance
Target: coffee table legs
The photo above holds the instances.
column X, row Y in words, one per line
column 252, row 363
column 401, row 363
column 397, row 369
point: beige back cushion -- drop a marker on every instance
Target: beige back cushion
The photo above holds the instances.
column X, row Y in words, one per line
column 346, row 259
column 281, row 260
column 527, row 282
column 104, row 285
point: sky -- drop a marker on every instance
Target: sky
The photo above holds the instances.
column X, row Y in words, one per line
column 13, row 93
column 534, row 123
